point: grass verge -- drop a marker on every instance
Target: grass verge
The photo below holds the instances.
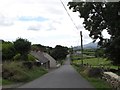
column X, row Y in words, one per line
column 98, row 83
column 36, row 72
column 6, row 82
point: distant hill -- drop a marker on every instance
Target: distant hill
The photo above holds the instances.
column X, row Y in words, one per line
column 90, row 45
column 87, row 46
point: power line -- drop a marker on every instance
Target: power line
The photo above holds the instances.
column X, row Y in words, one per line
column 75, row 27
column 68, row 14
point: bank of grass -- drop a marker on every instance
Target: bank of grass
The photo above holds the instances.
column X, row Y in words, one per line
column 36, row 72
column 6, row 82
column 98, row 83
column 20, row 73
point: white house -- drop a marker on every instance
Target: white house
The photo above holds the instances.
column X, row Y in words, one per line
column 45, row 58
column 53, row 63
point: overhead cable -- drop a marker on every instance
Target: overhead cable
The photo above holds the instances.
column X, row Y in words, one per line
column 68, row 14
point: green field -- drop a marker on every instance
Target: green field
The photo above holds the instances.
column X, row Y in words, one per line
column 93, row 61
column 97, row 62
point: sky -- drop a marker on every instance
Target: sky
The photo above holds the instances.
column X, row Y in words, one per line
column 41, row 22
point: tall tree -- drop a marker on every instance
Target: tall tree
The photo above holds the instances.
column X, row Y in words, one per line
column 8, row 50
column 59, row 52
column 99, row 16
column 23, row 47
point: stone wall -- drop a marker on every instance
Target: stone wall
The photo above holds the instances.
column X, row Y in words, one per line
column 113, row 79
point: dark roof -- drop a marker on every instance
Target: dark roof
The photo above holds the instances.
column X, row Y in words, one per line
column 40, row 56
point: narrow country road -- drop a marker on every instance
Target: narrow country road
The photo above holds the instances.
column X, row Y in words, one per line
column 63, row 77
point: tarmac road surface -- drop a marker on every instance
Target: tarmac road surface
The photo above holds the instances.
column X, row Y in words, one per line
column 64, row 77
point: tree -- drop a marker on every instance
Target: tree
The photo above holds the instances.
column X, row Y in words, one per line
column 59, row 52
column 34, row 47
column 8, row 50
column 39, row 47
column 49, row 49
column 71, row 50
column 23, row 47
column 99, row 16
column 99, row 52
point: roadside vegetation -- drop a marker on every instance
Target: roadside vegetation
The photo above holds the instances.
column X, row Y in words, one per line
column 93, row 75
column 18, row 65
column 94, row 63
column 98, row 18
column 17, row 72
column 94, row 80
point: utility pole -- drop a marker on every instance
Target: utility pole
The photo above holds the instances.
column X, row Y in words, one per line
column 81, row 47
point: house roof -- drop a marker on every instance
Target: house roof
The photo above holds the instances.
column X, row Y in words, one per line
column 40, row 56
column 49, row 57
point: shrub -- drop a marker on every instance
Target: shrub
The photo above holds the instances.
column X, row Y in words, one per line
column 17, row 56
column 28, row 64
column 93, row 72
column 31, row 57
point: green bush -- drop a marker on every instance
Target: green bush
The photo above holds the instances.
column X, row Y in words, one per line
column 17, row 56
column 8, row 51
column 23, row 47
column 31, row 57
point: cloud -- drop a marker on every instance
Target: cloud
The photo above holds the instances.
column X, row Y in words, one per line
column 29, row 18
column 47, row 25
column 51, row 27
column 34, row 28
column 5, row 21
column 40, row 21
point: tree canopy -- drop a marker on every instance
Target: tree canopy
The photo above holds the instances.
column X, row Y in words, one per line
column 37, row 47
column 59, row 52
column 22, row 46
column 8, row 50
column 100, row 16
